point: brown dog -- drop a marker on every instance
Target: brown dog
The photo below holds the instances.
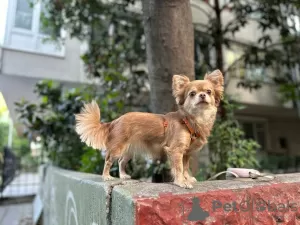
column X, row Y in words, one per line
column 176, row 134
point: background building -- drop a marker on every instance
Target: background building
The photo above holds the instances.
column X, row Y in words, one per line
column 26, row 58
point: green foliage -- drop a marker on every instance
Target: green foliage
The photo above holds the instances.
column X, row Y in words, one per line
column 115, row 38
column 114, row 34
column 115, row 44
column 227, row 144
column 20, row 146
column 52, row 118
column 3, row 135
column 139, row 167
column 115, row 48
column 280, row 54
column 92, row 161
column 275, row 162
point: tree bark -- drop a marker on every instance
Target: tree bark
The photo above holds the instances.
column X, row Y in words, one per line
column 219, row 38
column 169, row 36
column 219, row 41
column 170, row 48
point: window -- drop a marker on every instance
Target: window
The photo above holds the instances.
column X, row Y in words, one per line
column 25, row 29
column 283, row 143
column 24, row 13
column 255, row 73
column 255, row 131
column 43, row 12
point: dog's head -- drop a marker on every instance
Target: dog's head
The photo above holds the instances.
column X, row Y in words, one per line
column 198, row 95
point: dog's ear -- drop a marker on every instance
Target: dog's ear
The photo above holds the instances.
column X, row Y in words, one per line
column 217, row 79
column 179, row 84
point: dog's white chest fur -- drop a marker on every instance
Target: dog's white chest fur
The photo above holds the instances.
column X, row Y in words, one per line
column 206, row 116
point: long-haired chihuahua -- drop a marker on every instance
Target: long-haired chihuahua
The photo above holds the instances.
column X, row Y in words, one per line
column 176, row 134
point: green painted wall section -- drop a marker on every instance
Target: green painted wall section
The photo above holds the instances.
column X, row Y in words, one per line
column 72, row 198
column 122, row 207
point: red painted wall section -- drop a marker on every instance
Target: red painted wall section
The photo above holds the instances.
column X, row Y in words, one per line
column 261, row 205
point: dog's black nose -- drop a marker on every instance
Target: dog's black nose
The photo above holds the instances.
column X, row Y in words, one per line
column 202, row 95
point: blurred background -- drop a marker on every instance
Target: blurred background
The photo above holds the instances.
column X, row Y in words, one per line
column 57, row 54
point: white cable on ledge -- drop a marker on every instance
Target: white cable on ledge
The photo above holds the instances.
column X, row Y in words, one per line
column 243, row 173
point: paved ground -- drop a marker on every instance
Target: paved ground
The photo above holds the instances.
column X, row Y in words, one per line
column 16, row 213
column 16, row 208
column 23, row 185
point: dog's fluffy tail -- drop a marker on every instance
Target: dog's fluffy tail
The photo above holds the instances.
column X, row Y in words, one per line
column 89, row 127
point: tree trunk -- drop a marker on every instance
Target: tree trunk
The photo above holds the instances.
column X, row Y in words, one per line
column 219, row 50
column 169, row 36
column 219, row 38
column 170, row 48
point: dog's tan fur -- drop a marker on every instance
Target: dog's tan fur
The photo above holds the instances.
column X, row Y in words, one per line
column 144, row 132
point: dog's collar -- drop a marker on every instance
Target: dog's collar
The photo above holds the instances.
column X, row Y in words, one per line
column 194, row 134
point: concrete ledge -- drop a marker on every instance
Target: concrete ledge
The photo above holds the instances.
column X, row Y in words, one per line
column 225, row 202
column 73, row 198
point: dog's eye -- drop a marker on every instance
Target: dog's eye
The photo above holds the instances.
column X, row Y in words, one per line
column 208, row 92
column 192, row 94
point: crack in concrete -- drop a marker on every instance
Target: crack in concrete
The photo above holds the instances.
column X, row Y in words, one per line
column 109, row 196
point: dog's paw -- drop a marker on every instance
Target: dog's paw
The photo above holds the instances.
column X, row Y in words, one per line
column 125, row 176
column 192, row 179
column 184, row 184
column 108, row 178
column 188, row 185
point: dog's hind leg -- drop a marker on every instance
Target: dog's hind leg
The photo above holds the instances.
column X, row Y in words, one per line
column 109, row 160
column 122, row 165
column 116, row 148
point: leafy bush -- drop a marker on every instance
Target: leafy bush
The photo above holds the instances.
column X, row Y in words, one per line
column 92, row 161
column 3, row 135
column 227, row 144
column 52, row 118
column 20, row 146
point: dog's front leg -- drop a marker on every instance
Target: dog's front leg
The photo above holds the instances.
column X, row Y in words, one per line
column 186, row 167
column 176, row 159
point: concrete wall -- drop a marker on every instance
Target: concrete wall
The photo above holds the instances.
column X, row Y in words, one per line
column 279, row 122
column 16, row 88
column 267, row 95
column 72, row 198
column 288, row 129
column 37, row 65
column 27, row 52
